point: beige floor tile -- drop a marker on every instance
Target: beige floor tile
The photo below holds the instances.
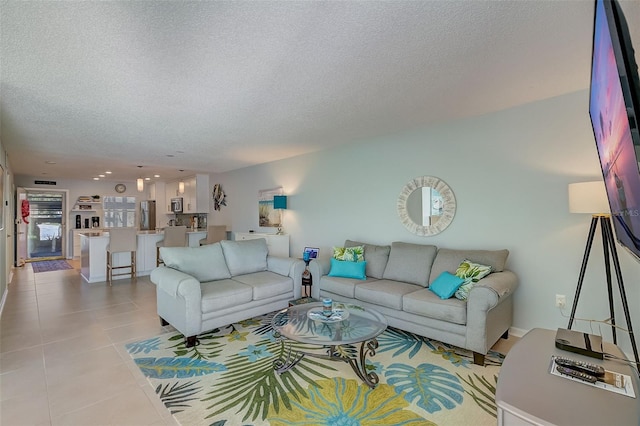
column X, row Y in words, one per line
column 22, row 383
column 147, row 327
column 58, row 370
column 26, row 358
column 28, row 410
column 130, row 407
column 10, row 342
column 78, row 345
column 80, row 391
column 112, row 310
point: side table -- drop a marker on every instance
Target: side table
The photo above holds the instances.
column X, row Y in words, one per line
column 527, row 394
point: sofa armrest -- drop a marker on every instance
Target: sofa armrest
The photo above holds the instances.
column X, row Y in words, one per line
column 176, row 283
column 492, row 290
column 490, row 310
column 319, row 268
column 290, row 267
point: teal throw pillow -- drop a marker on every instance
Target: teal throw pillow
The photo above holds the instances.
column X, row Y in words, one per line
column 346, row 269
column 446, row 285
column 471, row 273
column 351, row 254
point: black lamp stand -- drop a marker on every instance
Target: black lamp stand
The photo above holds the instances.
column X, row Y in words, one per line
column 610, row 252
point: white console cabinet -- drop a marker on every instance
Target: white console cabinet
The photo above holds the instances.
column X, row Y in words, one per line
column 278, row 245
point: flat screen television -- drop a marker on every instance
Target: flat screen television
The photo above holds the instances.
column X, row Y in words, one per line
column 614, row 107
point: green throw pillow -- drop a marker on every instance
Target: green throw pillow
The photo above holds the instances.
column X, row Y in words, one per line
column 471, row 273
column 350, row 254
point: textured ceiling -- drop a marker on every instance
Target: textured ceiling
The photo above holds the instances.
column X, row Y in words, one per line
column 216, row 86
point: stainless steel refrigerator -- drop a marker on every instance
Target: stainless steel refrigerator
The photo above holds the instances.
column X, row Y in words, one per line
column 147, row 215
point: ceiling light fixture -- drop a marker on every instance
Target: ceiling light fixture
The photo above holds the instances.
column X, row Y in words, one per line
column 140, row 183
column 181, row 187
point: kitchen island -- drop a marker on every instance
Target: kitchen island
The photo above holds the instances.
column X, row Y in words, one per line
column 93, row 253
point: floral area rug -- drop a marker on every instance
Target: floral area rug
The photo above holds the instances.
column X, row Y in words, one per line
column 229, row 379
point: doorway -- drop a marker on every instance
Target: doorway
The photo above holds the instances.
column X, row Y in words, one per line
column 41, row 224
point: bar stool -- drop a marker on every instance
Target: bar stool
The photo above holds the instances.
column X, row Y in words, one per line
column 215, row 233
column 174, row 236
column 121, row 240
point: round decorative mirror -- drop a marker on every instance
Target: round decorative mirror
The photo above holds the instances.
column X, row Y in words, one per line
column 426, row 206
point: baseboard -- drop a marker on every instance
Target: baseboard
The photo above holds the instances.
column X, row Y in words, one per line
column 4, row 298
column 517, row 332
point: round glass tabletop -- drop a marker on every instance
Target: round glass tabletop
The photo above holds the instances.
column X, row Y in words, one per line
column 300, row 323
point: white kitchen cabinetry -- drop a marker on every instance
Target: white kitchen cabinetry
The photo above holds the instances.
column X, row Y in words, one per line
column 196, row 194
column 195, row 198
column 171, row 191
column 278, row 245
column 75, row 235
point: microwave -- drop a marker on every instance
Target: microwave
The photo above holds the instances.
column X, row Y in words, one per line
column 176, row 205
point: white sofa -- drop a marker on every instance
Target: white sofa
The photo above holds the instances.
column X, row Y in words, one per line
column 202, row 288
column 397, row 281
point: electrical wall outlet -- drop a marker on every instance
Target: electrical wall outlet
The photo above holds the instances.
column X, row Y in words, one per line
column 561, row 300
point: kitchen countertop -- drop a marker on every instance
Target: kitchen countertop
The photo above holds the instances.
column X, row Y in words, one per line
column 93, row 234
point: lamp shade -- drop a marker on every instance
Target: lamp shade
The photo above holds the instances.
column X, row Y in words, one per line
column 140, row 184
column 588, row 197
column 181, row 187
column 280, row 202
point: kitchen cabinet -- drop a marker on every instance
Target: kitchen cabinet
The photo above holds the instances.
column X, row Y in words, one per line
column 196, row 194
column 171, row 191
column 75, row 237
column 278, row 245
column 195, row 198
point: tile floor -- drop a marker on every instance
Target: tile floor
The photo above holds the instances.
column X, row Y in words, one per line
column 62, row 356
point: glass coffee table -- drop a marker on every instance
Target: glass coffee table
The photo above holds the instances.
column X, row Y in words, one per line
column 349, row 325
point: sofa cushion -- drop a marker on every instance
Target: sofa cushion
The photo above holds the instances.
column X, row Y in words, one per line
column 426, row 303
column 347, row 269
column 205, row 263
column 376, row 257
column 446, row 285
column 266, row 284
column 341, row 286
column 449, row 260
column 351, row 254
column 471, row 273
column 245, row 257
column 384, row 292
column 218, row 295
column 410, row 263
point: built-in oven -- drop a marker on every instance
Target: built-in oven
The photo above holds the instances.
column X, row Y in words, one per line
column 176, row 205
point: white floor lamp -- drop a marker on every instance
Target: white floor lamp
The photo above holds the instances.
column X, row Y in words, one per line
column 590, row 197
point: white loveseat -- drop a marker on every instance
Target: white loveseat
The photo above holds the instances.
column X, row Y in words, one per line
column 397, row 285
column 202, row 288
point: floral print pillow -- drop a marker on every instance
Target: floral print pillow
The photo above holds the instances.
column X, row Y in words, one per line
column 471, row 273
column 350, row 254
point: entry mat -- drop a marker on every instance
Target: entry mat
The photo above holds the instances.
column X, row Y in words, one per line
column 50, row 265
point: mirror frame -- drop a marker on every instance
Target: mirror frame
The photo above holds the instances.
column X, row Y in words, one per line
column 448, row 211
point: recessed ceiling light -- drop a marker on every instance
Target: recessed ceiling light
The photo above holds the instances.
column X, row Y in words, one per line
column 101, row 175
column 156, row 176
column 50, row 162
column 170, row 155
column 96, row 178
column 147, row 178
column 108, row 172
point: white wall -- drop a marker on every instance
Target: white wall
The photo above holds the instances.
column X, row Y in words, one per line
column 509, row 172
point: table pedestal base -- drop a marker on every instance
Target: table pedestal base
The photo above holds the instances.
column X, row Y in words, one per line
column 358, row 364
